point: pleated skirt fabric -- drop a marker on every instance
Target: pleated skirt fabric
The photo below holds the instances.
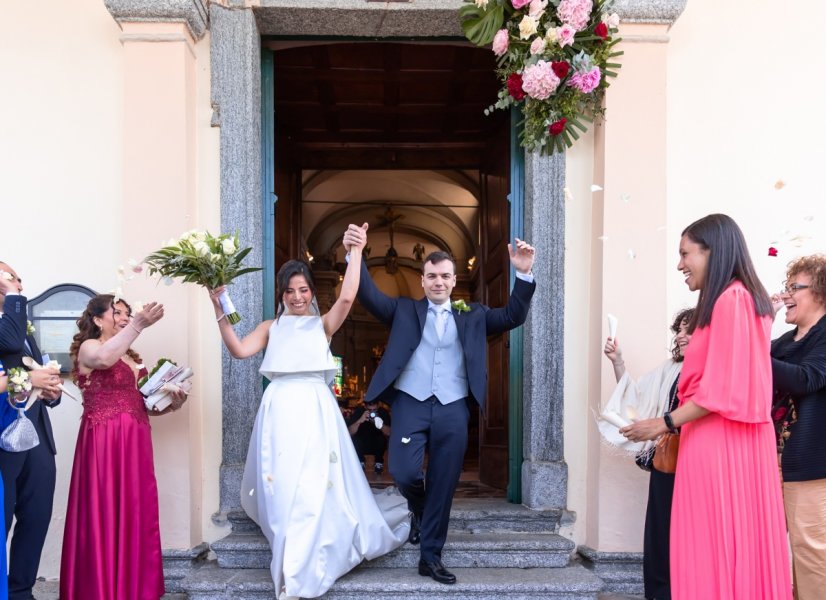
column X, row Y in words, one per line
column 728, row 530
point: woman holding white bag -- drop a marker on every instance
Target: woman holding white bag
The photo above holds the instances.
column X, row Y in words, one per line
column 651, row 396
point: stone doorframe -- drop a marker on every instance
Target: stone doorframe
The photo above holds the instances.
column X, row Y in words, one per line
column 236, row 28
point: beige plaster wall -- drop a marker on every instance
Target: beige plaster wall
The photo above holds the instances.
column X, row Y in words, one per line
column 745, row 96
column 743, row 135
column 64, row 93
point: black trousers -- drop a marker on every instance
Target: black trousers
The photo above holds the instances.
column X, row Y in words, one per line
column 28, row 482
column 442, row 430
column 372, row 445
column 655, row 562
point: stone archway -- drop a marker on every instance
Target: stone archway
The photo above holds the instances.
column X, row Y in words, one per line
column 236, row 95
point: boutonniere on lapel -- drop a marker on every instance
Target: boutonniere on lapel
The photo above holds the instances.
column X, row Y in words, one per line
column 460, row 306
column 30, row 328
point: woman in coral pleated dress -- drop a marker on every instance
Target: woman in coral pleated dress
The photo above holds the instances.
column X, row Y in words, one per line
column 728, row 530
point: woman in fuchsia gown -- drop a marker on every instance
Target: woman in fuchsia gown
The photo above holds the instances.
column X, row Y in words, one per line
column 112, row 542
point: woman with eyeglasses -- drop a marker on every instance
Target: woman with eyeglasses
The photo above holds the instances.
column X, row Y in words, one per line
column 728, row 535
column 799, row 373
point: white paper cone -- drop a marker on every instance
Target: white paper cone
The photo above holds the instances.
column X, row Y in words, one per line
column 612, row 327
column 614, row 419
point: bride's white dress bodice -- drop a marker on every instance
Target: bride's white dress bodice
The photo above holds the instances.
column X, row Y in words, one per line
column 298, row 345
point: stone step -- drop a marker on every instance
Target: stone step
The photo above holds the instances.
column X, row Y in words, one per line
column 567, row 583
column 250, row 550
column 473, row 515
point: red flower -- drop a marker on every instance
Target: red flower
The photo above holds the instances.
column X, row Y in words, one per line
column 515, row 86
column 557, row 127
column 560, row 69
column 780, row 413
column 601, row 30
column 772, row 251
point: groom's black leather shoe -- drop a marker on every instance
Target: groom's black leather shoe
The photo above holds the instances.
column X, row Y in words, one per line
column 437, row 571
column 415, row 535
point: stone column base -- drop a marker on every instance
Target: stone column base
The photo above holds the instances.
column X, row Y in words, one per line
column 544, row 484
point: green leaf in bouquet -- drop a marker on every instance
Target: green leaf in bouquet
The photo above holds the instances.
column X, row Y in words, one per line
column 479, row 24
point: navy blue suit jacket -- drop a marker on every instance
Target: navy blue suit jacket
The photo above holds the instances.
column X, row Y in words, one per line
column 406, row 319
column 12, row 350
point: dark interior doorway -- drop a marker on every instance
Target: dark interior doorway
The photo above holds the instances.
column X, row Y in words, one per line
column 393, row 133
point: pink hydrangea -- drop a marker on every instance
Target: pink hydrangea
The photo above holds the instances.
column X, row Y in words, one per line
column 500, row 42
column 575, row 13
column 539, row 81
column 517, row 4
column 585, row 82
column 565, row 35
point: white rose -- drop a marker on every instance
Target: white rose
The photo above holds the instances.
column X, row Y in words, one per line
column 228, row 246
column 613, row 20
column 201, row 248
column 481, row 3
column 200, row 236
column 215, row 257
column 550, row 36
column 527, row 27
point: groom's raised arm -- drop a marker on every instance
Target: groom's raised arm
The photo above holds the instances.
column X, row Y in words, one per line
column 514, row 313
column 377, row 303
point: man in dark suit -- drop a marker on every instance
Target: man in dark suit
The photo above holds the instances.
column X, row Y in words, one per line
column 28, row 476
column 435, row 360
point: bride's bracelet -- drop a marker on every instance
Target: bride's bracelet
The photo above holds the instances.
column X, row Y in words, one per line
column 132, row 325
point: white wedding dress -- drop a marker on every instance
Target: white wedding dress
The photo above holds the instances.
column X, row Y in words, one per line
column 303, row 483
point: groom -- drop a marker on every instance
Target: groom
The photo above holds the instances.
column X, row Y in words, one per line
column 436, row 359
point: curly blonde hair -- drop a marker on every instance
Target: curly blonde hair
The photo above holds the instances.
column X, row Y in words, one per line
column 815, row 267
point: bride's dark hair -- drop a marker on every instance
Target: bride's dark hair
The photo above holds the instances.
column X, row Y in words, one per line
column 288, row 270
column 89, row 331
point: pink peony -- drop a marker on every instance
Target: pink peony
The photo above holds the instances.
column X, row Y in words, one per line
column 500, row 42
column 585, row 82
column 539, row 80
column 517, row 4
column 575, row 13
column 537, row 8
column 537, row 46
column 565, row 35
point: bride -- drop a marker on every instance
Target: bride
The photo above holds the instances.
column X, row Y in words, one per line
column 302, row 482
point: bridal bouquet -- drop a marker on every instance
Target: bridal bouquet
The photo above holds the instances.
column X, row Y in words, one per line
column 554, row 57
column 199, row 257
column 156, row 386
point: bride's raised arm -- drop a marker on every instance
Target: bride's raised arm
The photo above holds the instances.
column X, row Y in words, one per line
column 253, row 343
column 355, row 238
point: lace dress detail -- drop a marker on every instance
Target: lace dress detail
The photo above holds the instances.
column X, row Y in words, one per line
column 111, row 392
